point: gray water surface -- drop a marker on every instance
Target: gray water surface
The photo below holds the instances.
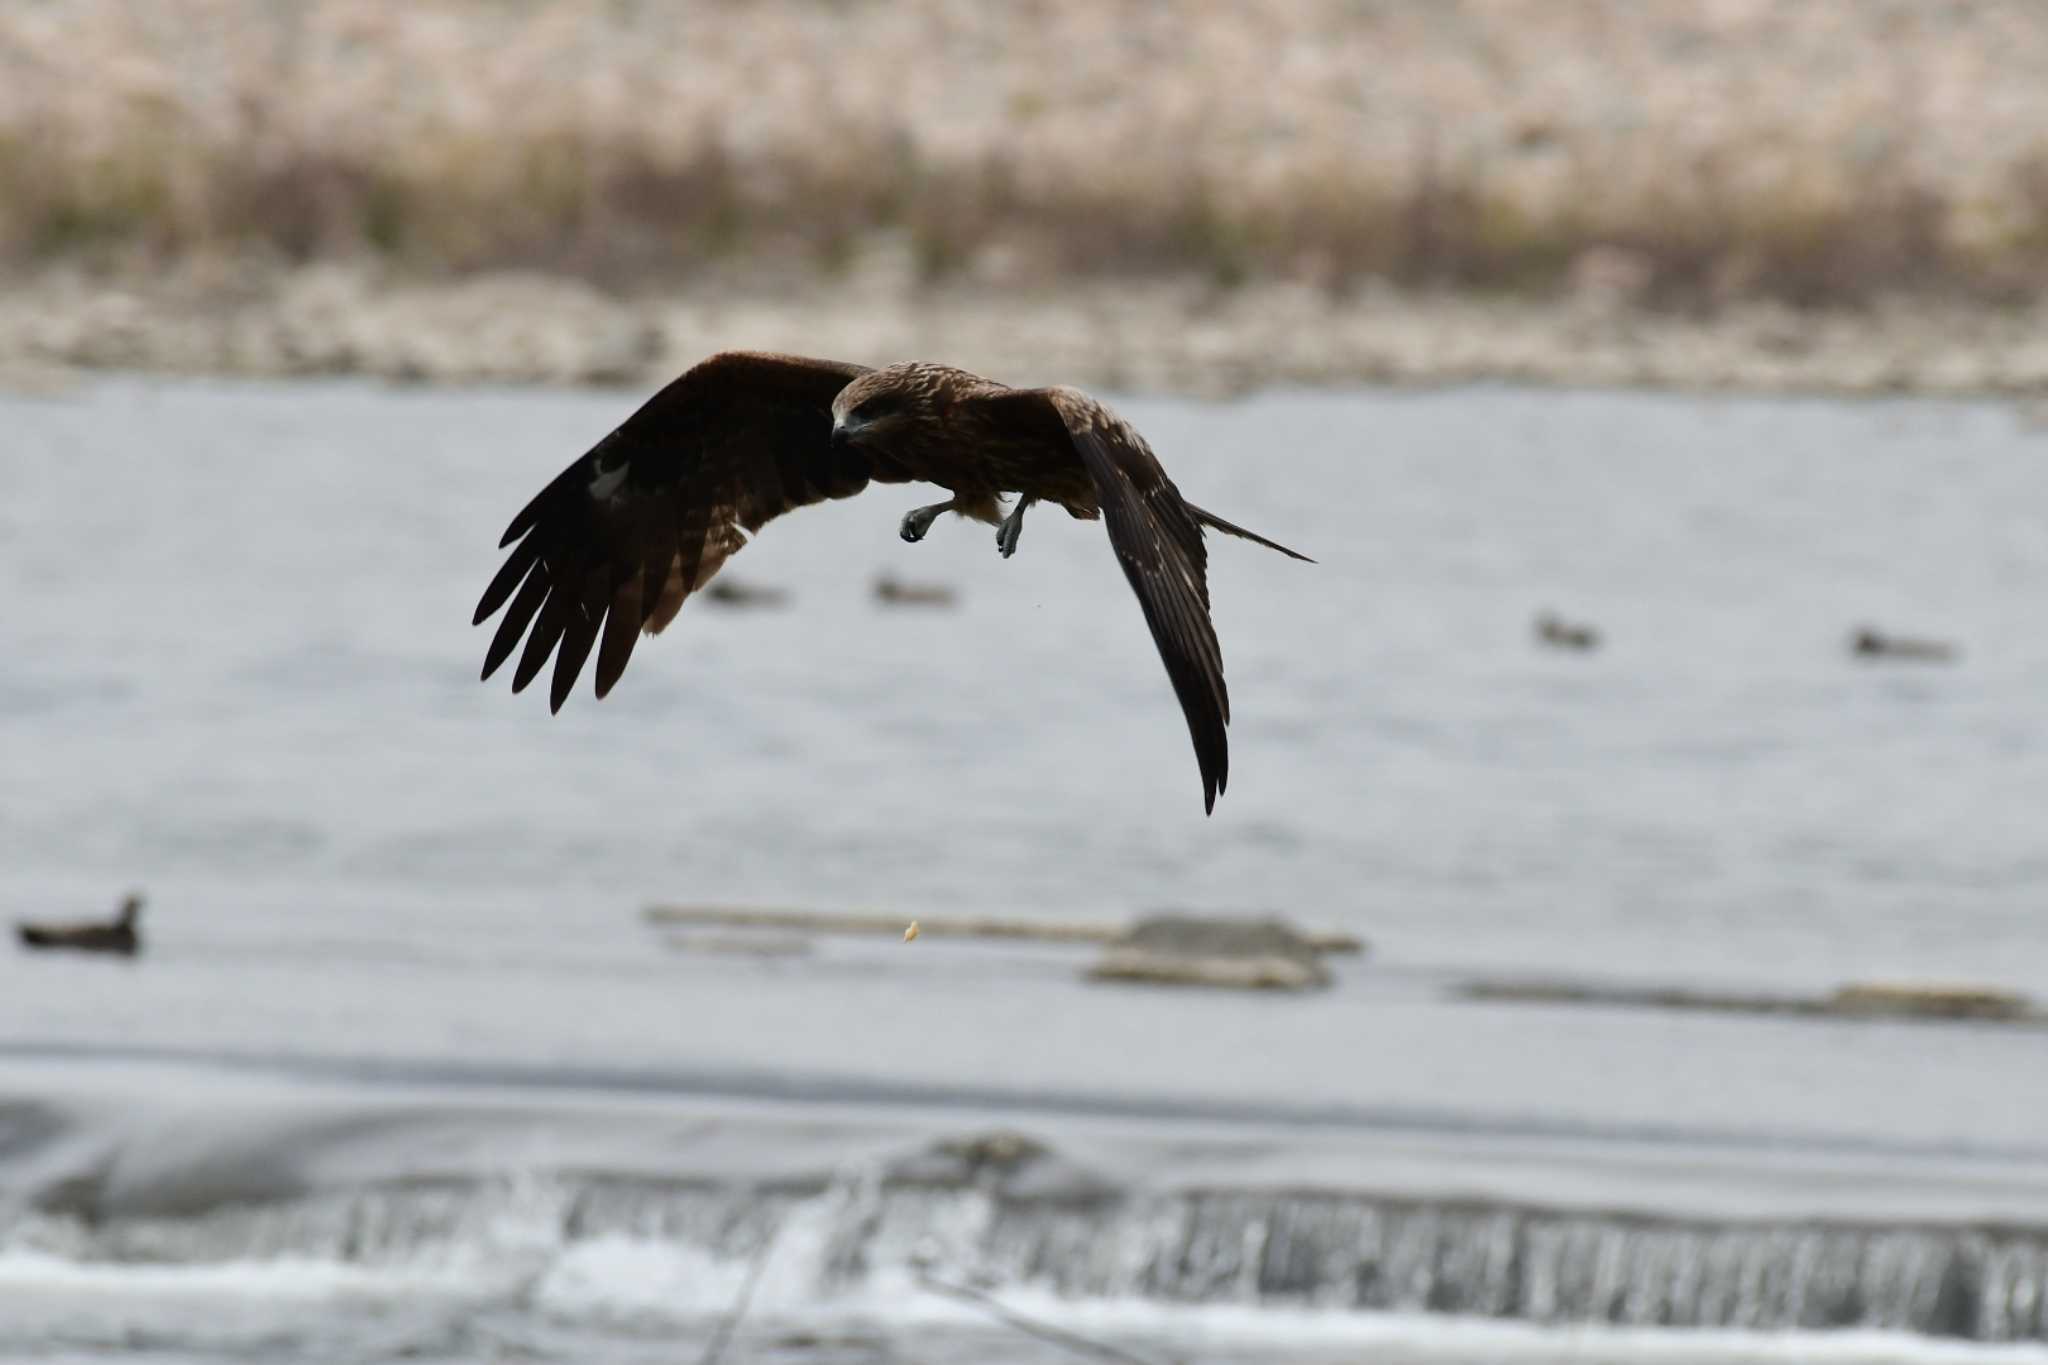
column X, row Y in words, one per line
column 236, row 670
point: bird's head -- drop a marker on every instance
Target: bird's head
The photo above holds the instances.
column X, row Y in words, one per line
column 874, row 405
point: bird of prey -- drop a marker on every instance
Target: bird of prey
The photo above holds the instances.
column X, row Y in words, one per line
column 618, row 540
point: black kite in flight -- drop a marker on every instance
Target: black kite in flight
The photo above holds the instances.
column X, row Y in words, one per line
column 615, row 543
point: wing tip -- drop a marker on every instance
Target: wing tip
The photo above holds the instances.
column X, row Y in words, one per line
column 556, row 697
column 529, row 515
column 1215, row 765
column 568, row 668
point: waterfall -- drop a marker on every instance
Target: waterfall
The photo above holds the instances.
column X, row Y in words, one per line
column 1348, row 1251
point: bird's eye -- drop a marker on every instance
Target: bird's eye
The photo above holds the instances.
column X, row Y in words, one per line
column 881, row 405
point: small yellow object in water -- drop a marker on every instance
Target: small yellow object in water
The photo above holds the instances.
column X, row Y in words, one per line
column 911, row 932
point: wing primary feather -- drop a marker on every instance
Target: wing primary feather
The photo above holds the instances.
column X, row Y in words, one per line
column 585, row 617
column 547, row 629
column 621, row 630
column 1180, row 630
column 529, row 515
column 516, row 620
column 692, row 526
column 656, row 559
column 1158, row 543
column 563, row 486
column 733, row 442
column 509, row 576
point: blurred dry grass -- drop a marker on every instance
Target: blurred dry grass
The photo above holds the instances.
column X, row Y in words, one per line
column 1679, row 153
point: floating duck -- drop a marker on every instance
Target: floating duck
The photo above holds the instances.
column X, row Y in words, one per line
column 1871, row 643
column 1558, row 633
column 117, row 936
column 898, row 594
column 729, row 594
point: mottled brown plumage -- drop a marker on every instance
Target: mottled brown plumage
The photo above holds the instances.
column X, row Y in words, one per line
column 615, row 544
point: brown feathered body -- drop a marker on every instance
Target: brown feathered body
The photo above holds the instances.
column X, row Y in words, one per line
column 615, row 544
column 949, row 427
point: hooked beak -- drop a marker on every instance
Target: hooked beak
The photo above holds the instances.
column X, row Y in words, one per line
column 843, row 434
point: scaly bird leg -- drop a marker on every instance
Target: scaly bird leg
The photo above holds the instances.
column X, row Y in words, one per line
column 919, row 519
column 1012, row 527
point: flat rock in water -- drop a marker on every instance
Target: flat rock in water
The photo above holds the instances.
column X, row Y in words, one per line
column 1014, row 1164
column 1200, row 950
column 1932, row 999
column 1856, row 999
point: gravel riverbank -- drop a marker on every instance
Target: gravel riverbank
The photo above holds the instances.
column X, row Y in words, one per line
column 1153, row 337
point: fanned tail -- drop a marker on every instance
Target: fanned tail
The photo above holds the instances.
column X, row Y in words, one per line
column 1210, row 519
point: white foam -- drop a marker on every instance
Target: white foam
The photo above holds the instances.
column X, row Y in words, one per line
column 29, row 1273
column 225, row 1306
column 622, row 1281
column 1396, row 1337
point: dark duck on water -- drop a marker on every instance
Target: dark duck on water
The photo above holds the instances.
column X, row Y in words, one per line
column 115, row 936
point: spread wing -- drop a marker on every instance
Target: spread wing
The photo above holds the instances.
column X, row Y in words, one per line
column 1158, row 540
column 621, row 537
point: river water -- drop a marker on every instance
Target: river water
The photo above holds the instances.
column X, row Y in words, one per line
column 403, row 1074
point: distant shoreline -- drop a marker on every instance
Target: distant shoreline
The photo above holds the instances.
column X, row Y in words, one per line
column 1196, row 198
column 1136, row 336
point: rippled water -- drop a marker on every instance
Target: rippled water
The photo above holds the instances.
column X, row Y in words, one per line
column 237, row 655
column 236, row 670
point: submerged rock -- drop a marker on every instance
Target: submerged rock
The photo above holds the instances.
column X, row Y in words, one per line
column 1200, row 950
column 1856, row 999
column 1928, row 999
column 1013, row 1164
